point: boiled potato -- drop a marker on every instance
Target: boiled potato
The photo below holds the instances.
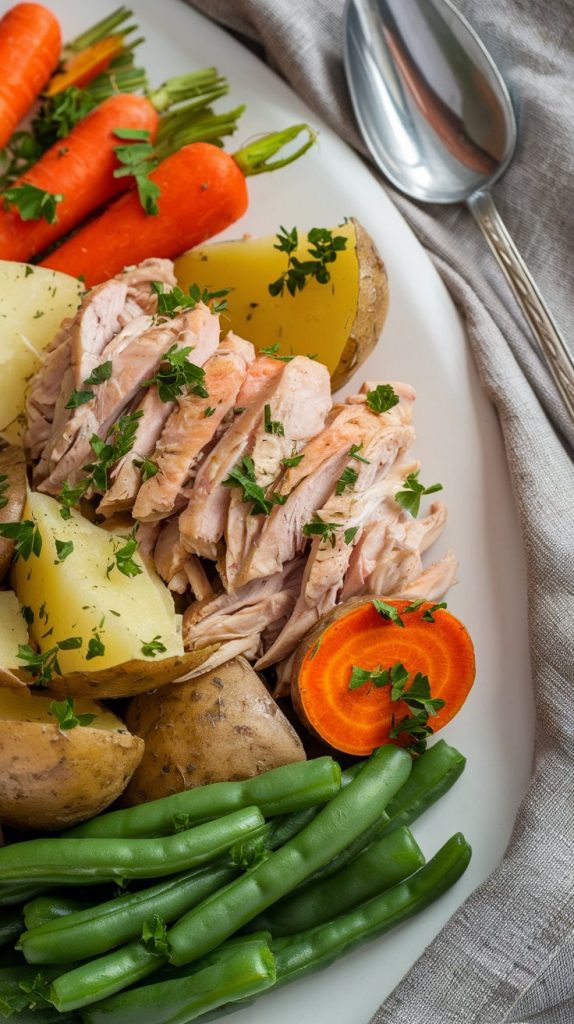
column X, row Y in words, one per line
column 51, row 778
column 33, row 302
column 219, row 726
column 339, row 321
column 80, row 596
column 13, row 631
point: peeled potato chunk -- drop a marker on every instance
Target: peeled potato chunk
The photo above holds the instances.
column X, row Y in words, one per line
column 79, row 592
column 33, row 302
column 338, row 322
column 51, row 777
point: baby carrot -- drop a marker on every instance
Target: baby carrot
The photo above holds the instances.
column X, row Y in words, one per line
column 30, row 42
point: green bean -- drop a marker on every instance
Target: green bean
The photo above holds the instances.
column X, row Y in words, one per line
column 318, row 947
column 72, row 861
column 13, row 894
column 290, row 787
column 352, row 811
column 289, row 825
column 97, row 929
column 21, row 987
column 55, row 905
column 247, row 972
column 11, row 924
column 100, row 978
column 433, row 774
column 381, row 865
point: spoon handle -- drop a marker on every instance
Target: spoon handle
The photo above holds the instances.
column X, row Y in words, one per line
column 550, row 341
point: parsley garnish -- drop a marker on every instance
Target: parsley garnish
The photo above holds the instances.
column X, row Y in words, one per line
column 119, row 442
column 4, row 486
column 410, row 497
column 272, row 350
column 27, row 537
column 96, row 649
column 417, row 698
column 243, row 475
column 175, row 300
column 148, row 467
column 124, row 559
column 63, row 711
column 98, row 375
column 347, row 479
column 350, row 534
column 63, row 549
column 138, row 159
column 353, row 453
column 272, row 426
column 323, row 248
column 382, row 398
column 69, row 497
column 43, row 664
column 427, row 615
column 318, row 528
column 208, row 411
column 33, row 203
column 177, row 375
column 294, row 460
column 388, row 611
column 414, row 606
column 78, row 397
column 153, row 647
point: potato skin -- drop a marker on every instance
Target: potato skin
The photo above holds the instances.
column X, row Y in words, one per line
column 220, row 726
column 372, row 308
column 52, row 779
column 130, row 677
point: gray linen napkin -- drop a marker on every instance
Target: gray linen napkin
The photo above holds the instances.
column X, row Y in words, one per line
column 507, row 955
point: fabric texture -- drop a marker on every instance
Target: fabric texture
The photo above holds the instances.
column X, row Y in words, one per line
column 507, row 955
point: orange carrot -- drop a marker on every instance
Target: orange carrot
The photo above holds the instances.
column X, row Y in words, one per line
column 82, row 67
column 30, row 42
column 202, row 191
column 80, row 168
column 356, row 720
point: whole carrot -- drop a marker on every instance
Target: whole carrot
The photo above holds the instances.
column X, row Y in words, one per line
column 202, row 191
column 79, row 173
column 30, row 42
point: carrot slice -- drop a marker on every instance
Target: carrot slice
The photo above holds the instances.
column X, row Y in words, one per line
column 356, row 721
column 30, row 42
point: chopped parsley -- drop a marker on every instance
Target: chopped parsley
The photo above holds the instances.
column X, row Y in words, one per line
column 243, row 475
column 96, row 649
column 322, row 246
column 148, row 467
column 272, row 426
column 118, row 443
column 63, row 711
column 64, row 548
column 348, row 478
column 410, row 496
column 417, row 697
column 137, row 160
column 124, row 560
column 153, row 647
column 26, row 536
column 382, row 398
column 319, row 528
column 350, row 534
column 177, row 375
column 69, row 497
column 293, row 460
column 353, row 453
column 388, row 611
column 427, row 615
column 174, row 301
column 42, row 665
column 33, row 203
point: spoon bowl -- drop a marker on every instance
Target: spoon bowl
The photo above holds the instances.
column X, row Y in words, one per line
column 438, row 120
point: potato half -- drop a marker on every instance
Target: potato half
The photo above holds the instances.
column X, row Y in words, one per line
column 52, row 778
column 220, row 726
column 339, row 321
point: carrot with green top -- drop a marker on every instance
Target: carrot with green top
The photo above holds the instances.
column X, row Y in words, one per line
column 100, row 158
column 376, row 671
column 30, row 42
column 202, row 191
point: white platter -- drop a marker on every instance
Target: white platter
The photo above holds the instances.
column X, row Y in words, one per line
column 459, row 443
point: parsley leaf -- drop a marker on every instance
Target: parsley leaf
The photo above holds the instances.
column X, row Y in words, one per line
column 27, row 537
column 382, row 398
column 208, row 411
column 427, row 615
column 418, row 696
column 124, row 559
column 294, row 460
column 353, row 453
column 388, row 611
column 416, row 727
column 153, row 647
column 100, row 373
column 318, row 528
column 43, row 664
column 138, row 159
column 410, row 497
column 96, row 649
column 347, row 479
column 350, row 534
column 414, row 606
column 118, row 443
column 69, row 497
column 172, row 302
column 148, row 467
column 33, row 203
column 272, row 426
column 63, row 549
column 177, row 375
column 322, row 246
column 359, row 676
column 78, row 398
column 243, row 475
column 63, row 711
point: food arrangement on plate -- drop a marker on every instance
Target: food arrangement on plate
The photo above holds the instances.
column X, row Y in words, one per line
column 220, row 620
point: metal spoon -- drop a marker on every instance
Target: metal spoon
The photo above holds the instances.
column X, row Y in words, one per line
column 438, row 120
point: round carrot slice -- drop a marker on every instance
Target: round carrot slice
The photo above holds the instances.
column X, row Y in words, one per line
column 357, row 719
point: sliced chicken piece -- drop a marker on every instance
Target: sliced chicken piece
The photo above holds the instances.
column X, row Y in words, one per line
column 95, row 327
column 133, row 363
column 126, row 476
column 138, row 281
column 400, row 558
column 202, row 523
column 309, row 483
column 406, row 392
column 177, row 567
column 353, row 509
column 433, row 582
column 146, row 535
column 191, row 426
column 246, row 612
column 294, row 414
